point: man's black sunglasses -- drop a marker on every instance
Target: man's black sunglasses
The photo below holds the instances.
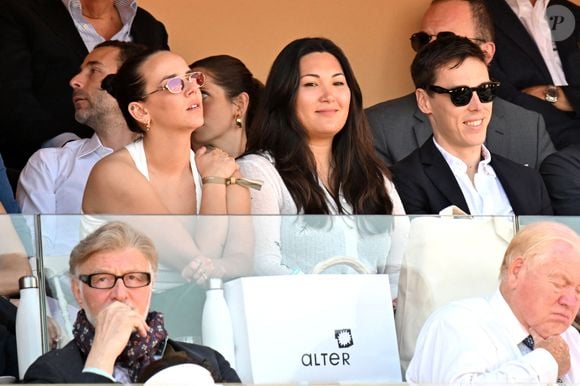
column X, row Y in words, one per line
column 461, row 96
column 421, row 39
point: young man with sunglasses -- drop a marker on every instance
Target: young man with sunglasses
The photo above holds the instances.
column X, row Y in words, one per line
column 115, row 336
column 399, row 127
column 454, row 167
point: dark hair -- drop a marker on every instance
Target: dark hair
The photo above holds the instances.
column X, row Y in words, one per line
column 234, row 77
column 357, row 172
column 442, row 52
column 128, row 85
column 481, row 19
column 126, row 49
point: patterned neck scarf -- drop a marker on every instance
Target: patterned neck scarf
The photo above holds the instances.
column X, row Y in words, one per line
column 139, row 350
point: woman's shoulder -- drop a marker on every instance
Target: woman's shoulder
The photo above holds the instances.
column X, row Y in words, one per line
column 257, row 165
column 118, row 162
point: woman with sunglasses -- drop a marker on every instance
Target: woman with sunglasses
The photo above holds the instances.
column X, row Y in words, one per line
column 312, row 147
column 230, row 97
column 159, row 97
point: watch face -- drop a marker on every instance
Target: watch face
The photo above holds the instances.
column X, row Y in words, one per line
column 551, row 94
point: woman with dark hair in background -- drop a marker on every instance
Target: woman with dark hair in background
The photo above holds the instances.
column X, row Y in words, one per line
column 311, row 145
column 159, row 96
column 230, row 96
column 159, row 174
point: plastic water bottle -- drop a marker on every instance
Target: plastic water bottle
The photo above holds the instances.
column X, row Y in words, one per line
column 28, row 330
column 216, row 323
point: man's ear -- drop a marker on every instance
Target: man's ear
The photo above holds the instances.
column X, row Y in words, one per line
column 488, row 49
column 139, row 112
column 76, row 291
column 515, row 271
column 423, row 101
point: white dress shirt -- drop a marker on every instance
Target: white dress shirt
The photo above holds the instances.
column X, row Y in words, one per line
column 478, row 341
column 535, row 20
column 53, row 180
column 127, row 10
column 486, row 195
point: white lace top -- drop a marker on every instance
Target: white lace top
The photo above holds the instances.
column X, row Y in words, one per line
column 295, row 244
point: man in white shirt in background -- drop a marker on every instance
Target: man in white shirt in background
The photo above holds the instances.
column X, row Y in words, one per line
column 522, row 333
column 537, row 60
column 54, row 179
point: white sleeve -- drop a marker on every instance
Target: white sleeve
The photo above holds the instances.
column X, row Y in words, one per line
column 266, row 210
column 456, row 350
column 35, row 191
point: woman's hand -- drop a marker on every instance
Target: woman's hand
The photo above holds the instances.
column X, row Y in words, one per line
column 215, row 163
column 201, row 269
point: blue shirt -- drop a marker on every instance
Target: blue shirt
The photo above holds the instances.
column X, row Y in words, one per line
column 6, row 192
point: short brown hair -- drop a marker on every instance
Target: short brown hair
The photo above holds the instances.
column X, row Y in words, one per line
column 481, row 19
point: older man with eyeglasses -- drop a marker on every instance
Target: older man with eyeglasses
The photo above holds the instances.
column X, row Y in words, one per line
column 399, row 127
column 454, row 167
column 115, row 335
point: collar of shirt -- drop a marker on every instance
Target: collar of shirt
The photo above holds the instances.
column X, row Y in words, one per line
column 525, row 7
column 514, row 328
column 127, row 10
column 93, row 145
column 458, row 167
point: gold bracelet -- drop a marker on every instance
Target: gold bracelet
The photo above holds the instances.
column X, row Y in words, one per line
column 245, row 182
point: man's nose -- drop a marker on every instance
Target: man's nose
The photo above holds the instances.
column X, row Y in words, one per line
column 75, row 82
column 120, row 291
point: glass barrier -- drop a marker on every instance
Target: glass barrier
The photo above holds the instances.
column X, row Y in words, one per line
column 429, row 261
column 571, row 221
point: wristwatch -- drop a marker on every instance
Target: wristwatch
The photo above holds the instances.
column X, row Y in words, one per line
column 551, row 94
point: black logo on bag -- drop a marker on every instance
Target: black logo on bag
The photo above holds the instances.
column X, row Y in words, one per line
column 343, row 338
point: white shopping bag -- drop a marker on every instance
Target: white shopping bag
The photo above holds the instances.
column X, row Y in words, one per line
column 314, row 328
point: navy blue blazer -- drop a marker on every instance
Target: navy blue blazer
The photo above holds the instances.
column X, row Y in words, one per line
column 40, row 51
column 426, row 184
column 518, row 64
column 65, row 365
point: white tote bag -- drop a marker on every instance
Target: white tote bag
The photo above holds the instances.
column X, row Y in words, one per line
column 314, row 328
column 447, row 258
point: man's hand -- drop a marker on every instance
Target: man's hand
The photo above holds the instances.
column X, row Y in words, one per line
column 556, row 346
column 113, row 327
column 540, row 93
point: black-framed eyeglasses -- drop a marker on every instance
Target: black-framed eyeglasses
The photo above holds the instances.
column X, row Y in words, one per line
column 108, row 280
column 176, row 84
column 461, row 96
column 421, row 39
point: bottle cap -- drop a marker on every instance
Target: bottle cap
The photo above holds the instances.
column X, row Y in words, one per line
column 27, row 282
column 215, row 283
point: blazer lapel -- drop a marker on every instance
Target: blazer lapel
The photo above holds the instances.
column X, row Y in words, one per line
column 495, row 137
column 440, row 174
column 61, row 24
column 511, row 183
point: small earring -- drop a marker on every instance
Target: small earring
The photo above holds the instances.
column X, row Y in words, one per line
column 239, row 123
column 148, row 125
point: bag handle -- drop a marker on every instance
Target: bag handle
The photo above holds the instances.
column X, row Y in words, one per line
column 340, row 260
